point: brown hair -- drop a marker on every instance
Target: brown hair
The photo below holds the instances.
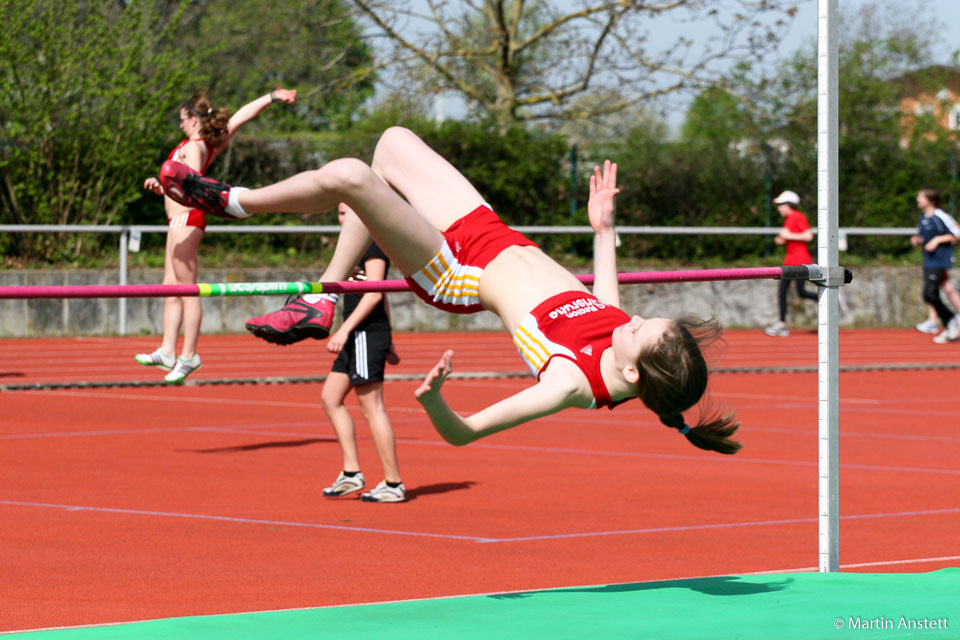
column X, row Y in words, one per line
column 932, row 196
column 213, row 122
column 673, row 378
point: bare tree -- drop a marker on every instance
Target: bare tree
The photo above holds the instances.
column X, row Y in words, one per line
column 522, row 60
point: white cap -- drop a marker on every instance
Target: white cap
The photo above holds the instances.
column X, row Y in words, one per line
column 787, row 197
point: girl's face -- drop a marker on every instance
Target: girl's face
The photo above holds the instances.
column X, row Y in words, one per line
column 637, row 336
column 922, row 201
column 188, row 123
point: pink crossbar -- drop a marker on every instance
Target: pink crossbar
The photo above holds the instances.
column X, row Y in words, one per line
column 386, row 286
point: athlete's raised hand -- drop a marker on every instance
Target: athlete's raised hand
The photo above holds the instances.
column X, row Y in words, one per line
column 283, row 95
column 603, row 190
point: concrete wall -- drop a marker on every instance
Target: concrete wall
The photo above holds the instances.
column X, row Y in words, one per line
column 881, row 296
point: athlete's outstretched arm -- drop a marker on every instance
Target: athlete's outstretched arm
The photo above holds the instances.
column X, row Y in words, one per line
column 252, row 109
column 533, row 402
column 601, row 209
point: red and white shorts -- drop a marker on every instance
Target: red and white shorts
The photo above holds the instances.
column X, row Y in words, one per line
column 451, row 281
column 192, row 218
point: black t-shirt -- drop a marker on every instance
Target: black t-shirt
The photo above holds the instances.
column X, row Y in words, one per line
column 377, row 319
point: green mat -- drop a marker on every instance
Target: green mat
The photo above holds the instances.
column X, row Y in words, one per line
column 795, row 605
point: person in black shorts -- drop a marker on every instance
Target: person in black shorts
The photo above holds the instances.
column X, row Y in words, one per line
column 937, row 233
column 364, row 343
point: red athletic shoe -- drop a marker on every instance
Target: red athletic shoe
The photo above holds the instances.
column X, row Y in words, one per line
column 191, row 189
column 296, row 321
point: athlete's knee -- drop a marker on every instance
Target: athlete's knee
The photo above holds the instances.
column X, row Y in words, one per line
column 330, row 402
column 393, row 138
column 394, row 143
column 343, row 176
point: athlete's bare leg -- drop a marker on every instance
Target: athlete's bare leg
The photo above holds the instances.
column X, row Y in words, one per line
column 410, row 239
column 433, row 186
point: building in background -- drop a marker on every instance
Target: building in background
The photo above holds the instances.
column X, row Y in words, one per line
column 930, row 98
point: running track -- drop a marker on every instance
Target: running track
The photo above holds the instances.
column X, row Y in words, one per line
column 122, row 503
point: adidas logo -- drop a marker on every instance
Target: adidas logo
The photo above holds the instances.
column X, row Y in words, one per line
column 587, row 350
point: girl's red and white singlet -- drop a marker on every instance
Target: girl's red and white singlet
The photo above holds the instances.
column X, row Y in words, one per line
column 573, row 325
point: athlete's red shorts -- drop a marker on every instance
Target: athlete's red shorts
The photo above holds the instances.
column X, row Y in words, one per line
column 451, row 280
column 192, row 218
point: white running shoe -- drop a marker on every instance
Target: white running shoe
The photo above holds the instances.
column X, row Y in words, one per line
column 158, row 358
column 929, row 326
column 942, row 338
column 182, row 369
column 385, row 493
column 953, row 328
column 777, row 331
column 344, row 485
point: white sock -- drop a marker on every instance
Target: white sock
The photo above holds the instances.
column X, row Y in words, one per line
column 233, row 204
column 313, row 298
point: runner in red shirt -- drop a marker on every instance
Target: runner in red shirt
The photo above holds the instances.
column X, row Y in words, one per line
column 795, row 235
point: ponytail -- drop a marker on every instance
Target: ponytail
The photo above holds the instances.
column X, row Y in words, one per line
column 213, row 122
column 712, row 435
column 673, row 378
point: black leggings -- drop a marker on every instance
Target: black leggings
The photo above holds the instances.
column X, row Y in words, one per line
column 802, row 291
column 931, row 293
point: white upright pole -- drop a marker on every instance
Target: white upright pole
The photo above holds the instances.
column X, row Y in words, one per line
column 122, row 306
column 828, row 257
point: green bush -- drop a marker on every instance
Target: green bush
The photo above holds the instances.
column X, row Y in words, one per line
column 84, row 88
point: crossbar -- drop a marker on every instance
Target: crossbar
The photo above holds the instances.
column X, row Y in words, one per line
column 26, row 292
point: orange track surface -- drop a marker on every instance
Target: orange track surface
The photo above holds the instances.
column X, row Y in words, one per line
column 120, row 504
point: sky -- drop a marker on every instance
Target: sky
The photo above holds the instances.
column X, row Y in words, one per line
column 803, row 30
column 945, row 11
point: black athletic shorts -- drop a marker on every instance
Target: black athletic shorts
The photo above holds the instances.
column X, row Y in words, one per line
column 364, row 356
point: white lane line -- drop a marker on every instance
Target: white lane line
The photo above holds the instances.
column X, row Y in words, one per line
column 477, row 539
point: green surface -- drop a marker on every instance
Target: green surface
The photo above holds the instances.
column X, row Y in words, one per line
column 798, row 605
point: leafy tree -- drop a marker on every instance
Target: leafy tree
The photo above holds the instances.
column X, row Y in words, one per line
column 878, row 176
column 85, row 87
column 248, row 47
column 769, row 116
column 518, row 61
column 674, row 183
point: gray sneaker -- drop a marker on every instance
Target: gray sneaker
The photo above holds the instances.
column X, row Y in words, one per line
column 344, row 485
column 953, row 328
column 158, row 358
column 777, row 331
column 182, row 369
column 929, row 326
column 385, row 493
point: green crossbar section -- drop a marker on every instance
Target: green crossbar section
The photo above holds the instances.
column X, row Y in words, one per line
column 258, row 288
column 783, row 606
